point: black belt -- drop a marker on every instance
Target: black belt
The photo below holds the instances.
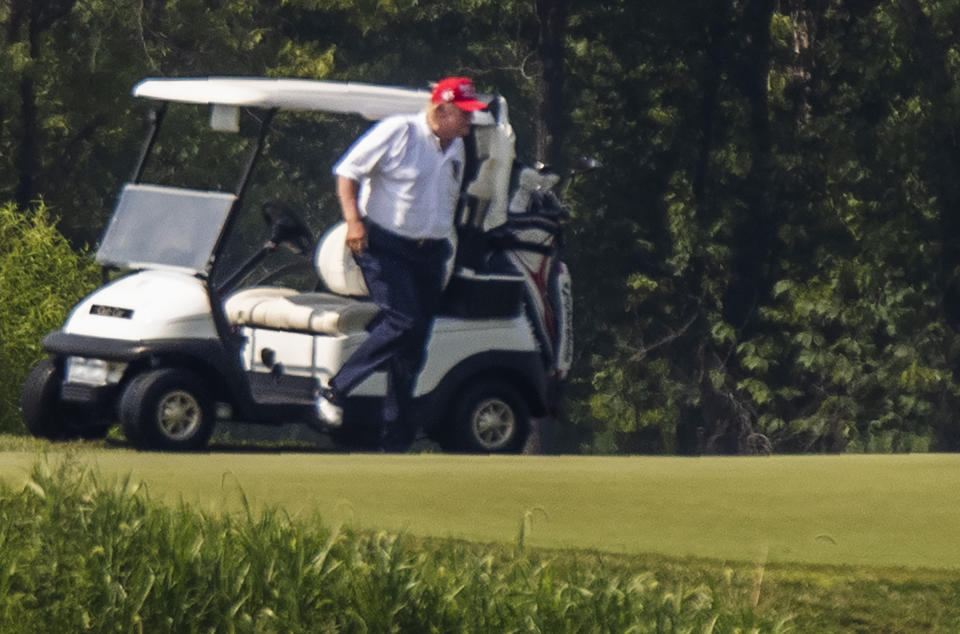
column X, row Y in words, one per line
column 416, row 242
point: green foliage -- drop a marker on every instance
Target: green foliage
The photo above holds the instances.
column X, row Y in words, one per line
column 81, row 554
column 770, row 257
column 779, row 263
column 41, row 278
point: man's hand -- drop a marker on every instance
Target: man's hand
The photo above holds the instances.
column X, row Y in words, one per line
column 347, row 191
column 356, row 237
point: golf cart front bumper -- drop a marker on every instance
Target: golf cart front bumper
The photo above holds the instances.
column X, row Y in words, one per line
column 94, row 367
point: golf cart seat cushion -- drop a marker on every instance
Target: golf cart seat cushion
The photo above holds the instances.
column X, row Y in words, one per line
column 287, row 309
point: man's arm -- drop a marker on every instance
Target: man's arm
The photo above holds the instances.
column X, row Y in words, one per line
column 347, row 191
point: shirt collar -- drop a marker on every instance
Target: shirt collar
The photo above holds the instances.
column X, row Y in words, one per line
column 424, row 127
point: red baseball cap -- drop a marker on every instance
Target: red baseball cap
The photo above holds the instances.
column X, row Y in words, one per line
column 459, row 91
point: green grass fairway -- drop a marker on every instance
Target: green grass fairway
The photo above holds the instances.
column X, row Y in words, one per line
column 901, row 510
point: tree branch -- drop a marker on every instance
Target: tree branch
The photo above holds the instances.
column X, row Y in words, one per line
column 673, row 336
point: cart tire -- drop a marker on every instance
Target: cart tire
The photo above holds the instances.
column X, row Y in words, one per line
column 167, row 409
column 40, row 401
column 490, row 417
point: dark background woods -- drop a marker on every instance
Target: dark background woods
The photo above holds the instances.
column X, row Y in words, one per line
column 768, row 259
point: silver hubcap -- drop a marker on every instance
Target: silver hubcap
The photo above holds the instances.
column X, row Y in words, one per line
column 493, row 423
column 179, row 415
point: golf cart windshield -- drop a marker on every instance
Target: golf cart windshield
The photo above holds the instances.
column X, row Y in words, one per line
column 164, row 227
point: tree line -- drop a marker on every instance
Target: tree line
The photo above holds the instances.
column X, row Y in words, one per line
column 768, row 260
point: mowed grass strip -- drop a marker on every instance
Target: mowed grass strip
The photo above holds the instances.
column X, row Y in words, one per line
column 889, row 510
column 82, row 551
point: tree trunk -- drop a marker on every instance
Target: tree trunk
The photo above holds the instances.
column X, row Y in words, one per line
column 715, row 51
column 552, row 15
column 932, row 74
column 34, row 17
column 26, row 158
column 755, row 233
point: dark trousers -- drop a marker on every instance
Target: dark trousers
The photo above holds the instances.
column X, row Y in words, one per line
column 405, row 280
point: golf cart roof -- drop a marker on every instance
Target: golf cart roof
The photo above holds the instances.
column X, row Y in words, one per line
column 368, row 100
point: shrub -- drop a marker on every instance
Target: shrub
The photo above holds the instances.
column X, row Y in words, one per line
column 41, row 277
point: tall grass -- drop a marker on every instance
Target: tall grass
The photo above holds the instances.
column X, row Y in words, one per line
column 82, row 554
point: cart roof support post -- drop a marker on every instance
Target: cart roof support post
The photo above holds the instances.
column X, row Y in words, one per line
column 155, row 117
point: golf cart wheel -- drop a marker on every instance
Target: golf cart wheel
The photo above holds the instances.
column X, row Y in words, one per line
column 40, row 401
column 167, row 409
column 46, row 416
column 490, row 417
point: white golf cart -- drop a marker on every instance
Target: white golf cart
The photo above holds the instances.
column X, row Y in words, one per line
column 170, row 352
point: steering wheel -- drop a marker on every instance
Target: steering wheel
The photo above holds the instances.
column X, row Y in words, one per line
column 287, row 228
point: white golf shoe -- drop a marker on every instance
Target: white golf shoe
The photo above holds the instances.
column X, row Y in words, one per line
column 327, row 409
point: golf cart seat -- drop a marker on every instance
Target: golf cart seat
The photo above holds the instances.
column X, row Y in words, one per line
column 287, row 309
column 341, row 312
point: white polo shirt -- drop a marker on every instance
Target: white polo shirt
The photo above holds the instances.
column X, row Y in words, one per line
column 408, row 185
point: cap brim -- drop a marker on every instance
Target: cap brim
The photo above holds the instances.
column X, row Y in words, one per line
column 470, row 105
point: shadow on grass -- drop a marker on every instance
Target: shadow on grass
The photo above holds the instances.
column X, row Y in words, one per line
column 228, row 438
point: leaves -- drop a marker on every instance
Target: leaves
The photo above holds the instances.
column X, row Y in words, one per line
column 41, row 278
column 771, row 248
column 820, row 271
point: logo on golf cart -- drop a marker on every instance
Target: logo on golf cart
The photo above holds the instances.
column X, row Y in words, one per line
column 111, row 311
